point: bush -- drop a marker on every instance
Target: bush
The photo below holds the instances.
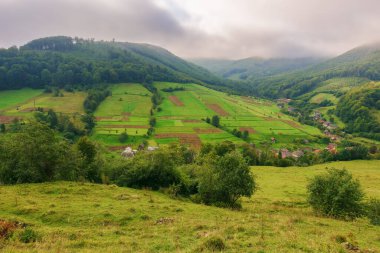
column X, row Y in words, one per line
column 336, row 194
column 123, row 137
column 214, row 244
column 226, row 179
column 28, row 235
column 373, row 211
column 150, row 170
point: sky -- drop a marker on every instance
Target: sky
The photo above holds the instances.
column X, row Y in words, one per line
column 230, row 29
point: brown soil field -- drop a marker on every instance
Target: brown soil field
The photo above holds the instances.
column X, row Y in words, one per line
column 175, row 100
column 207, row 130
column 124, row 126
column 190, row 139
column 249, row 129
column 219, row 110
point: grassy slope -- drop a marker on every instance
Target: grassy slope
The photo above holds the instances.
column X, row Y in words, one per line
column 71, row 103
column 12, row 98
column 74, row 217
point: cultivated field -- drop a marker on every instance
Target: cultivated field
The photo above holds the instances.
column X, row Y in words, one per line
column 181, row 117
column 74, row 217
column 182, row 113
column 127, row 110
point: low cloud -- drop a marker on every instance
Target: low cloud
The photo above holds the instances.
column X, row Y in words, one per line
column 198, row 28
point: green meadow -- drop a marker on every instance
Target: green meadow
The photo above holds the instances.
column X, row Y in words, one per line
column 84, row 217
column 12, row 98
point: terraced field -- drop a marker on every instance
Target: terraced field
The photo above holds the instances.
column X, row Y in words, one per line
column 127, row 110
column 182, row 112
column 180, row 118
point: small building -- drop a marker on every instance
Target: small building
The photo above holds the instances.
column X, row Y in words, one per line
column 152, row 148
column 128, row 152
column 332, row 148
column 285, row 153
column 297, row 154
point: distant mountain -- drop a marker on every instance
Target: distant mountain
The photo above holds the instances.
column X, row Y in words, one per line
column 254, row 67
column 62, row 60
column 361, row 62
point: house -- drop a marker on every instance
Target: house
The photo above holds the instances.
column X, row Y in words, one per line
column 150, row 148
column 291, row 109
column 332, row 148
column 297, row 154
column 284, row 100
column 128, row 152
column 285, row 153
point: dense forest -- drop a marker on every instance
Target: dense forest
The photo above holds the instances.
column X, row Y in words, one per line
column 62, row 61
column 357, row 109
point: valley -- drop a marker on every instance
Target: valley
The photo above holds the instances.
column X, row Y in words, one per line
column 125, row 147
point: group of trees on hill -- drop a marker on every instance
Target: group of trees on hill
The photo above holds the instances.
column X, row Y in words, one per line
column 37, row 153
column 218, row 175
column 58, row 61
column 356, row 109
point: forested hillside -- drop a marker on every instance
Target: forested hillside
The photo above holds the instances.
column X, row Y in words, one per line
column 245, row 69
column 62, row 61
column 361, row 62
column 359, row 109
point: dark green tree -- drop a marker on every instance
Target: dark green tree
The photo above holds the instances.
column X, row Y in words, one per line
column 215, row 120
column 336, row 194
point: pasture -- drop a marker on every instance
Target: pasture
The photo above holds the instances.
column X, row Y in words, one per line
column 276, row 219
column 12, row 98
column 22, row 103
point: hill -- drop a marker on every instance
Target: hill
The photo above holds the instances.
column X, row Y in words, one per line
column 62, row 61
column 361, row 62
column 248, row 68
column 69, row 216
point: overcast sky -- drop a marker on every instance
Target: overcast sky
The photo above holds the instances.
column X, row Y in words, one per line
column 201, row 28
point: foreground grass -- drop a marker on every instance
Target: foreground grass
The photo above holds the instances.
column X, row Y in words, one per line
column 72, row 217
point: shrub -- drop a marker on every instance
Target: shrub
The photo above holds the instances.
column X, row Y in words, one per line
column 123, row 137
column 214, row 244
column 225, row 180
column 336, row 194
column 373, row 211
column 149, row 170
column 28, row 235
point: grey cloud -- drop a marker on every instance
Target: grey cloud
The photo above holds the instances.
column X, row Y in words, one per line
column 294, row 28
column 133, row 20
